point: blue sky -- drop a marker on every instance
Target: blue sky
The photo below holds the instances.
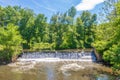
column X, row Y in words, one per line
column 49, row 7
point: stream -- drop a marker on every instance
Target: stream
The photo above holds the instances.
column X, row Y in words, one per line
column 56, row 66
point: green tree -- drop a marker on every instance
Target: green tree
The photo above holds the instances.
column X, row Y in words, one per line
column 41, row 29
column 2, row 16
column 69, row 38
column 107, row 39
column 80, row 32
column 26, row 25
column 88, row 21
column 10, row 42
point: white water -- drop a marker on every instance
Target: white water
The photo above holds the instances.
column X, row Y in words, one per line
column 58, row 56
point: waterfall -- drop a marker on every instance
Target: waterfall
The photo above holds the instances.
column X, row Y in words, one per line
column 55, row 56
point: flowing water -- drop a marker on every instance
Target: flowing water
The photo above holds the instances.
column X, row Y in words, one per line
column 55, row 66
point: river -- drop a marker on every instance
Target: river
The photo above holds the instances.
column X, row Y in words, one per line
column 49, row 68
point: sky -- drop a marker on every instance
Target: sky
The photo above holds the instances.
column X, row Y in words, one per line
column 50, row 7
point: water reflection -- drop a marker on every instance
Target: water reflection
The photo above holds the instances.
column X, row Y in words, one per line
column 50, row 72
column 102, row 77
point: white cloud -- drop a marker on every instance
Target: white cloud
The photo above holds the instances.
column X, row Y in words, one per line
column 88, row 4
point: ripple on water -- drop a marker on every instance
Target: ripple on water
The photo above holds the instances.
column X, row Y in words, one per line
column 59, row 70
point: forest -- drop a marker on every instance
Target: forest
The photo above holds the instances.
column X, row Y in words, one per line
column 21, row 28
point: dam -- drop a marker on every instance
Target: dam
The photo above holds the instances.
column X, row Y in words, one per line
column 59, row 56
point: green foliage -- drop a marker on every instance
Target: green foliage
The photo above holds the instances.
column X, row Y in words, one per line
column 113, row 55
column 107, row 38
column 104, row 34
column 80, row 32
column 72, row 12
column 85, row 27
column 64, row 31
column 108, row 11
column 10, row 42
column 42, row 46
column 67, row 35
column 41, row 29
column 26, row 25
column 69, row 39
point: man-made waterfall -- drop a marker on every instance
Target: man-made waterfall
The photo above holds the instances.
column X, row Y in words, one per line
column 80, row 56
